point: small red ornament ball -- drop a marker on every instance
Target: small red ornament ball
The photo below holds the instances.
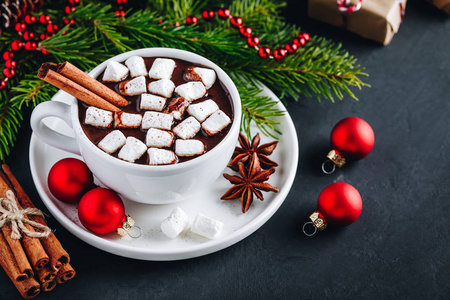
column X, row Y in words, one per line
column 101, row 210
column 69, row 179
column 339, row 204
column 353, row 138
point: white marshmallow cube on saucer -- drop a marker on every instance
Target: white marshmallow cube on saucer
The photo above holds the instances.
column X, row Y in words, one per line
column 152, row 102
column 159, row 138
column 158, row 156
column 98, row 117
column 115, row 72
column 127, row 120
column 175, row 223
column 188, row 148
column 136, row 65
column 207, row 227
column 112, row 141
column 187, row 128
column 203, row 109
column 191, row 91
column 153, row 119
column 205, row 75
column 162, row 87
column 132, row 150
column 162, row 68
column 135, row 86
column 216, row 122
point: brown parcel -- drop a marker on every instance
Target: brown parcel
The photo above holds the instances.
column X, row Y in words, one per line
column 442, row 4
column 378, row 20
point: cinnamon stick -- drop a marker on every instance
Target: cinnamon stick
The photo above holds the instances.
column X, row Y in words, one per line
column 70, row 71
column 58, row 256
column 35, row 253
column 48, row 73
column 9, row 262
column 66, row 273
column 48, row 286
column 18, row 255
column 46, row 274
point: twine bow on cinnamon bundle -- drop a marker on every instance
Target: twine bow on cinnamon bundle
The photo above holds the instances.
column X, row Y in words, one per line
column 17, row 218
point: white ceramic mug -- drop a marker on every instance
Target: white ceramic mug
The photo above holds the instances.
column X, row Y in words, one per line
column 143, row 183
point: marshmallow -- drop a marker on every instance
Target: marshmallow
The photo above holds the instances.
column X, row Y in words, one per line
column 207, row 76
column 136, row 65
column 191, row 91
column 189, row 147
column 187, row 129
column 216, row 122
column 132, row 150
column 133, row 87
column 161, row 157
column 112, row 141
column 174, row 224
column 127, row 120
column 98, row 117
column 115, row 72
column 177, row 107
column 162, row 68
column 159, row 138
column 153, row 119
column 206, row 227
column 163, row 87
column 202, row 110
column 152, row 102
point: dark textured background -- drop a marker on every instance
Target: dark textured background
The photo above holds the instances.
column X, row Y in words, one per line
column 399, row 246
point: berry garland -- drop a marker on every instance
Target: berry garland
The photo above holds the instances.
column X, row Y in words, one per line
column 31, row 41
column 252, row 40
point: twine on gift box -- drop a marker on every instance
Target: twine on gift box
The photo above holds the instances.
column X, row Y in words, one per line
column 17, row 218
column 346, row 7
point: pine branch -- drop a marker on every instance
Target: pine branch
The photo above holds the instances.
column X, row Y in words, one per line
column 10, row 121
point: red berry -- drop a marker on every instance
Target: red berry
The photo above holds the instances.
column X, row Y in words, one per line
column 190, row 20
column 68, row 9
column 299, row 42
column 7, row 55
column 19, row 27
column 30, row 45
column 253, row 41
column 2, row 84
column 208, row 14
column 43, row 36
column 245, row 31
column 8, row 72
column 279, row 53
column 304, row 35
column 44, row 19
column 122, row 13
column 236, row 22
column 30, row 19
column 123, row 1
column 27, row 35
column 10, row 64
column 74, row 2
column 224, row 13
column 177, row 23
column 264, row 52
column 16, row 45
column 291, row 47
column 44, row 51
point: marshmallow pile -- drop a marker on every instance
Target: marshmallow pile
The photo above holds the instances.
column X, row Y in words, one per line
column 178, row 221
column 168, row 115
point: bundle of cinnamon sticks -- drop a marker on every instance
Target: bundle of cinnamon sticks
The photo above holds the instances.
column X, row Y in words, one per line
column 33, row 264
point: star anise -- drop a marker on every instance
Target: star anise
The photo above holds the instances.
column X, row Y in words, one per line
column 245, row 152
column 250, row 182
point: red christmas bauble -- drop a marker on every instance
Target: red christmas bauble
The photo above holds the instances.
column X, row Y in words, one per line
column 101, row 211
column 69, row 179
column 339, row 204
column 353, row 138
column 253, row 41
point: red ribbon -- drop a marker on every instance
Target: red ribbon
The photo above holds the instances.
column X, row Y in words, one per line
column 344, row 6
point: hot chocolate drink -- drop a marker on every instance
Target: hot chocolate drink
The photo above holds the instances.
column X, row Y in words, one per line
column 176, row 111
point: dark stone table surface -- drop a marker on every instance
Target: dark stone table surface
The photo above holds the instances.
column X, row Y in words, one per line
column 399, row 246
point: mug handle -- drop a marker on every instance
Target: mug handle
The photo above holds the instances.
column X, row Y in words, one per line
column 49, row 136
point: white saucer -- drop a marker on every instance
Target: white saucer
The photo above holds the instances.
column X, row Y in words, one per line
column 153, row 244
